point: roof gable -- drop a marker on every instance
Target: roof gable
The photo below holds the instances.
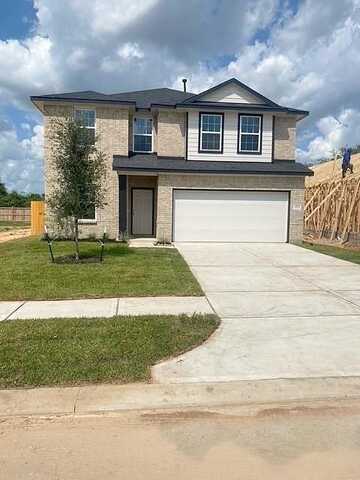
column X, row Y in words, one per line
column 231, row 91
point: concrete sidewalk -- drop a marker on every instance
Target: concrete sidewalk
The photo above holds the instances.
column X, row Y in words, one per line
column 251, row 395
column 104, row 307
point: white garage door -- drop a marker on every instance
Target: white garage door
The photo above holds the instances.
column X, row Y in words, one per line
column 230, row 216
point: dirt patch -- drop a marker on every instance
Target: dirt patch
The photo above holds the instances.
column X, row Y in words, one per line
column 14, row 234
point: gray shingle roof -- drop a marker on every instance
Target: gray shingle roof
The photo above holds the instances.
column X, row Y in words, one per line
column 157, row 96
column 153, row 163
column 84, row 95
column 171, row 98
column 140, row 99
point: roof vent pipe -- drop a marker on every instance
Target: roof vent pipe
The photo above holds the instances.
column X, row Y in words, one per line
column 184, row 80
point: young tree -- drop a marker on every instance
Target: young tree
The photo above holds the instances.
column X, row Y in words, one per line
column 80, row 171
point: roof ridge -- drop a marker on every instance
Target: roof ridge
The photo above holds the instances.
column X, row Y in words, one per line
column 149, row 90
column 78, row 91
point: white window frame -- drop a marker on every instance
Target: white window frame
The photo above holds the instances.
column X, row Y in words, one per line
column 89, row 110
column 143, row 134
column 218, row 150
column 84, row 221
column 258, row 134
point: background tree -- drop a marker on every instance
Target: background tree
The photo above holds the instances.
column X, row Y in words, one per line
column 15, row 199
column 3, row 190
column 80, row 169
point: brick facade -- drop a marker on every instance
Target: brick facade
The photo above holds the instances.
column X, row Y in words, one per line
column 112, row 128
column 284, row 138
column 171, row 134
column 166, row 183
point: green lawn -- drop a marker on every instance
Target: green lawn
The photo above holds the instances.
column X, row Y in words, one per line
column 5, row 226
column 27, row 274
column 113, row 350
column 351, row 255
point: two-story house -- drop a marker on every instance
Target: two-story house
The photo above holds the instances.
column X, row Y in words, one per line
column 218, row 166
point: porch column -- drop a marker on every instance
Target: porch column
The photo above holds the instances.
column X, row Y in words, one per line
column 122, row 205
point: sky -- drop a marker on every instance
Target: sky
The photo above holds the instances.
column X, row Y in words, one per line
column 300, row 53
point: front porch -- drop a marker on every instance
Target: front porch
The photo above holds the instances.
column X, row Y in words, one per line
column 137, row 206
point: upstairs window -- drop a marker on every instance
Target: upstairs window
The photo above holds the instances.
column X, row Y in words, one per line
column 142, row 135
column 250, row 133
column 211, row 132
column 86, row 118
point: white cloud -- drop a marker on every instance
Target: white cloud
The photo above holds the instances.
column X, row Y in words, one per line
column 334, row 133
column 110, row 16
column 21, row 160
column 77, row 59
column 26, row 68
column 129, row 51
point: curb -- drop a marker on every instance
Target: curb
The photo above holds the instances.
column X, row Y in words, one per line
column 83, row 400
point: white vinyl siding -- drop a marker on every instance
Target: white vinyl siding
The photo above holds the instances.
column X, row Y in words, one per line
column 230, row 216
column 233, row 94
column 230, row 141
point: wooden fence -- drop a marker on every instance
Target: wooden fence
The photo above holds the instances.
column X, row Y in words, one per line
column 15, row 214
column 37, row 217
column 332, row 209
column 34, row 216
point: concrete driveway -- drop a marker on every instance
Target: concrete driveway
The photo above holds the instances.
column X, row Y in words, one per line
column 286, row 312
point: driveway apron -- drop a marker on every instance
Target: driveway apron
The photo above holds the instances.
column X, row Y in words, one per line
column 286, row 312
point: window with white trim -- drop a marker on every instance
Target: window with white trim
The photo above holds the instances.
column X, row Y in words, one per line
column 249, row 134
column 142, row 140
column 211, row 127
column 86, row 119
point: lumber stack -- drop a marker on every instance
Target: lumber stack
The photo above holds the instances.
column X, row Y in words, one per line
column 332, row 209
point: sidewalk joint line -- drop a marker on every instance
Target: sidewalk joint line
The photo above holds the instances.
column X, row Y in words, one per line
column 14, row 311
column 76, row 400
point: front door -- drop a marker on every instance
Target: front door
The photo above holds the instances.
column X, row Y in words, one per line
column 142, row 211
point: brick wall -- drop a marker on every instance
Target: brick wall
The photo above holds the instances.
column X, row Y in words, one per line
column 112, row 128
column 166, row 183
column 171, row 134
column 284, row 138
